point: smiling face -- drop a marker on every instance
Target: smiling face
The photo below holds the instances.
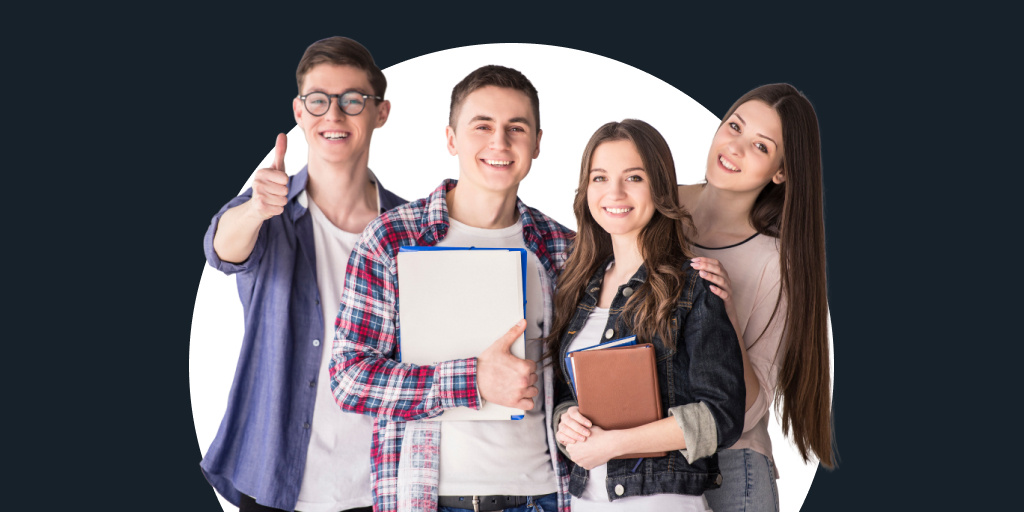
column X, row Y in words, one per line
column 496, row 139
column 335, row 137
column 746, row 152
column 618, row 192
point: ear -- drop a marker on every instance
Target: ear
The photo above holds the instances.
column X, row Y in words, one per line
column 383, row 111
column 536, row 151
column 779, row 177
column 449, row 134
column 298, row 110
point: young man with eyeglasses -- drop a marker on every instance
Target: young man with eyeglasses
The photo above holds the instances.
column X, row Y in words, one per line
column 284, row 443
column 494, row 130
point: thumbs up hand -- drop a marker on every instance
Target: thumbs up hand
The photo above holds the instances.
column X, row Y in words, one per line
column 503, row 378
column 270, row 184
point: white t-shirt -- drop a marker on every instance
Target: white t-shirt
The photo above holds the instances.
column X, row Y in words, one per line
column 595, row 495
column 500, row 457
column 337, row 473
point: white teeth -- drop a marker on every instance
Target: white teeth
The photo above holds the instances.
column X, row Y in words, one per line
column 618, row 210
column 498, row 163
column 335, row 135
column 727, row 164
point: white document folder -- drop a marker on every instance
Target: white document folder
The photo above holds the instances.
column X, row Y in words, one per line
column 453, row 303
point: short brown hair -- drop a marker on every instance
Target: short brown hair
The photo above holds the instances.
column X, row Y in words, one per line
column 341, row 51
column 498, row 76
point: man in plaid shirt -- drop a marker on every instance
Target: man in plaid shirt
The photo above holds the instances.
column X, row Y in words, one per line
column 494, row 129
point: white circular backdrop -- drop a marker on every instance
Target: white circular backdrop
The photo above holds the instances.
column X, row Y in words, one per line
column 579, row 92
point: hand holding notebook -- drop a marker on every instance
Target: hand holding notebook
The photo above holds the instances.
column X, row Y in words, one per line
column 617, row 388
column 503, row 378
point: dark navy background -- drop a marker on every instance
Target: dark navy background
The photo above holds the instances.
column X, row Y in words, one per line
column 157, row 116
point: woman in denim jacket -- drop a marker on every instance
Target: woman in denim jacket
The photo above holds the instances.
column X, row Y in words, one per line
column 629, row 222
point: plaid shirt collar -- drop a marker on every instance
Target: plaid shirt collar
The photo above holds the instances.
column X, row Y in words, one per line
column 434, row 224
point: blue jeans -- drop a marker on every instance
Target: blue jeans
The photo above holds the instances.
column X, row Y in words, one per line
column 548, row 503
column 748, row 483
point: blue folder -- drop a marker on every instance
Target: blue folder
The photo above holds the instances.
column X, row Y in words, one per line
column 522, row 255
column 418, row 248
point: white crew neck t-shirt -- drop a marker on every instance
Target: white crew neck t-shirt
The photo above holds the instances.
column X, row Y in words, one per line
column 500, row 457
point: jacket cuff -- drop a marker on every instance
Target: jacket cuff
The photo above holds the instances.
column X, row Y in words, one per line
column 698, row 426
column 556, row 420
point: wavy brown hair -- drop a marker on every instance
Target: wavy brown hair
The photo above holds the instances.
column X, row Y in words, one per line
column 793, row 212
column 662, row 242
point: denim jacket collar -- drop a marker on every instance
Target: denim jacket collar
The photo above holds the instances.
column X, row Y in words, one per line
column 593, row 290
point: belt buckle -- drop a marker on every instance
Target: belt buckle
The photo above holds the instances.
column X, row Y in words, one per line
column 476, row 503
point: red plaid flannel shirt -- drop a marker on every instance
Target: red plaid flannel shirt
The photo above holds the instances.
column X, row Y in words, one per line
column 366, row 378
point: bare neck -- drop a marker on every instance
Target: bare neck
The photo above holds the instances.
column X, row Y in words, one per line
column 344, row 193
column 721, row 217
column 482, row 208
column 628, row 259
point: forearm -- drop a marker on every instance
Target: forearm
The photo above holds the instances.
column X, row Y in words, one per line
column 236, row 233
column 658, row 436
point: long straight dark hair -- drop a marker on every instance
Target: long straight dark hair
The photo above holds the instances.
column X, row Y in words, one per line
column 793, row 212
column 662, row 242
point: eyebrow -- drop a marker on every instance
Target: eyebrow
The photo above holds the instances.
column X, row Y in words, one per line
column 631, row 169
column 346, row 91
column 521, row 120
column 759, row 134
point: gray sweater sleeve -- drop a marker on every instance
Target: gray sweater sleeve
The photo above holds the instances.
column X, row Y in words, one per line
column 698, row 426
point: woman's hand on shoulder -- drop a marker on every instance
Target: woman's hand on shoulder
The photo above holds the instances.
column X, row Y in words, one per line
column 573, row 427
column 712, row 270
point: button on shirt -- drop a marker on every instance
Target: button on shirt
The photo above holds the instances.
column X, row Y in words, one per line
column 261, row 445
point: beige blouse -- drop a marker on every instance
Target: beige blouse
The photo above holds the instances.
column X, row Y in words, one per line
column 753, row 268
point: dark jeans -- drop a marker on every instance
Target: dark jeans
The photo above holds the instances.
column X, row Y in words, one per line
column 249, row 504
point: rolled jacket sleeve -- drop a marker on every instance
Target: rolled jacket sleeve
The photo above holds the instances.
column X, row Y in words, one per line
column 257, row 251
column 698, row 426
column 715, row 376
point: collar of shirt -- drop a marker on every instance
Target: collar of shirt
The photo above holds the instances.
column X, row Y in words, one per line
column 435, row 223
column 299, row 200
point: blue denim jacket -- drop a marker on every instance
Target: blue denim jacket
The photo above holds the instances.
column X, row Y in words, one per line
column 705, row 366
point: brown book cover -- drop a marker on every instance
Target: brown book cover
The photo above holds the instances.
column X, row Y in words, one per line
column 617, row 388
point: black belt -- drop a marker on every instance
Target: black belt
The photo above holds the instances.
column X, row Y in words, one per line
column 484, row 503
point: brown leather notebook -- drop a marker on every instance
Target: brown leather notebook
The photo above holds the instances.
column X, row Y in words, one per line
column 617, row 388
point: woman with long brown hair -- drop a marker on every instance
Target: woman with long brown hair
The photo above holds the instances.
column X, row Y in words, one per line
column 759, row 215
column 628, row 274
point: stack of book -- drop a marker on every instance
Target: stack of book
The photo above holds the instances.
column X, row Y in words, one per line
column 616, row 386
